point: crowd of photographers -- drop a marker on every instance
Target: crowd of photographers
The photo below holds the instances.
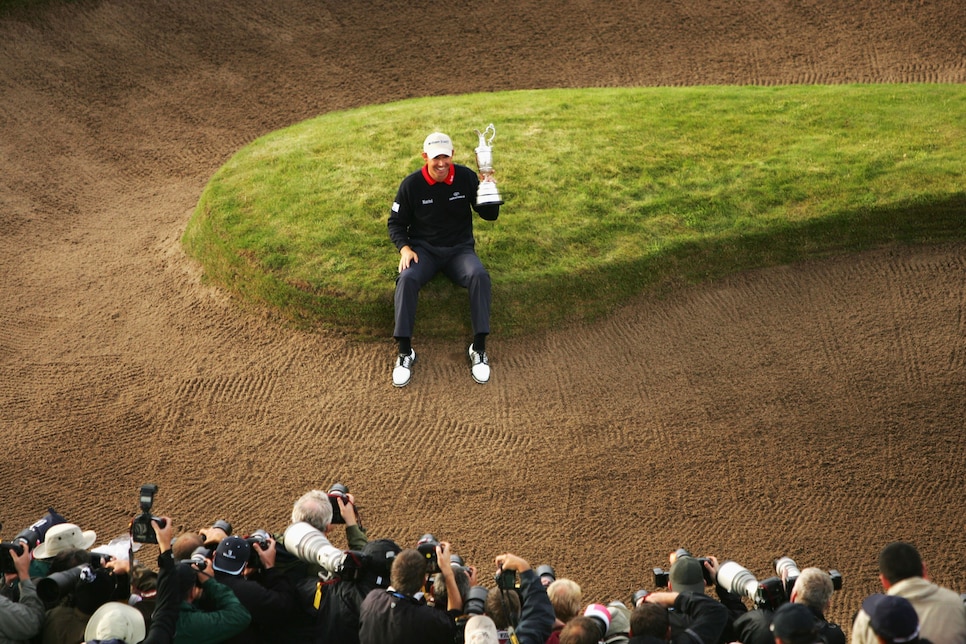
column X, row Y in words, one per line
column 215, row 586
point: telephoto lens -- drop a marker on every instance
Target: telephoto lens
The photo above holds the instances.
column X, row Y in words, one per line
column 737, row 579
column 56, row 585
column 788, row 572
column 476, row 600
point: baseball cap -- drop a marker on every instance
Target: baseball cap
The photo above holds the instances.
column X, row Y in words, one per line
column 620, row 621
column 892, row 617
column 686, row 575
column 232, row 555
column 795, row 624
column 480, row 629
column 115, row 621
column 381, row 553
column 436, row 144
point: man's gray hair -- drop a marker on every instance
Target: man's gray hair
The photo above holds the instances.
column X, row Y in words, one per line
column 314, row 508
column 814, row 588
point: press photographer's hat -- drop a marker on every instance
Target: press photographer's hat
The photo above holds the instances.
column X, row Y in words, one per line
column 381, row 553
column 686, row 575
column 794, row 624
column 63, row 537
column 480, row 629
column 115, row 621
column 232, row 555
column 892, row 617
column 620, row 621
column 436, row 144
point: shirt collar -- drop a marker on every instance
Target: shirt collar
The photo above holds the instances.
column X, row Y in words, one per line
column 448, row 180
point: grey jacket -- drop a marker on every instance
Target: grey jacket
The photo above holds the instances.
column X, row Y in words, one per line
column 20, row 621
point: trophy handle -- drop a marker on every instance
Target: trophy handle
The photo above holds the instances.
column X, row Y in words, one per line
column 487, row 141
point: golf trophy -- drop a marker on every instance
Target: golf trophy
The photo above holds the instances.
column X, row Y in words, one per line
column 487, row 194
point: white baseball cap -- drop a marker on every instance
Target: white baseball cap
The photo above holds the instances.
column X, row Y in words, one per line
column 436, row 144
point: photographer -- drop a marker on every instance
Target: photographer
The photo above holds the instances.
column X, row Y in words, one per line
column 527, row 610
column 705, row 617
column 308, row 558
column 247, row 567
column 400, row 615
column 80, row 585
column 223, row 616
column 20, row 620
column 942, row 616
column 341, row 603
column 814, row 589
column 115, row 620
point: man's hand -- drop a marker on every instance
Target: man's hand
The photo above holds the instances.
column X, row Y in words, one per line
column 165, row 535
column 443, row 559
column 454, row 602
column 665, row 599
column 406, row 257
column 509, row 561
column 348, row 510
column 266, row 556
column 21, row 562
column 119, row 566
column 712, row 566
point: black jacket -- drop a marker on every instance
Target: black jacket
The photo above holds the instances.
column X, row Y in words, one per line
column 388, row 617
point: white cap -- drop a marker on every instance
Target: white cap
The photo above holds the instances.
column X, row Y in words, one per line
column 115, row 620
column 480, row 629
column 63, row 537
column 436, row 144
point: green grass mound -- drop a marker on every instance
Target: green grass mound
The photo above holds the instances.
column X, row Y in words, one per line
column 609, row 193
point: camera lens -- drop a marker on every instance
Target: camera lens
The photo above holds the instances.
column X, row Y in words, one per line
column 737, row 579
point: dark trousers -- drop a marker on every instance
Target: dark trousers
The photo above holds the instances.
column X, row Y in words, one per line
column 462, row 266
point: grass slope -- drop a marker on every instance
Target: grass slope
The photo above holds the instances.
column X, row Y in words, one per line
column 609, row 193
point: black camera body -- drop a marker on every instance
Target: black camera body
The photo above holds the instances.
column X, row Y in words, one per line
column 257, row 540
column 771, row 594
column 506, row 579
column 199, row 557
column 427, row 548
column 336, row 492
column 141, row 529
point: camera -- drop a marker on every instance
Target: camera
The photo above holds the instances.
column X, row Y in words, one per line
column 737, row 579
column 662, row 577
column 353, row 565
column 788, row 570
column 427, row 548
column 336, row 492
column 55, row 585
column 27, row 538
column 767, row 594
column 210, row 534
column 637, row 598
column 141, row 529
column 257, row 540
column 506, row 579
column 199, row 557
column 476, row 601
